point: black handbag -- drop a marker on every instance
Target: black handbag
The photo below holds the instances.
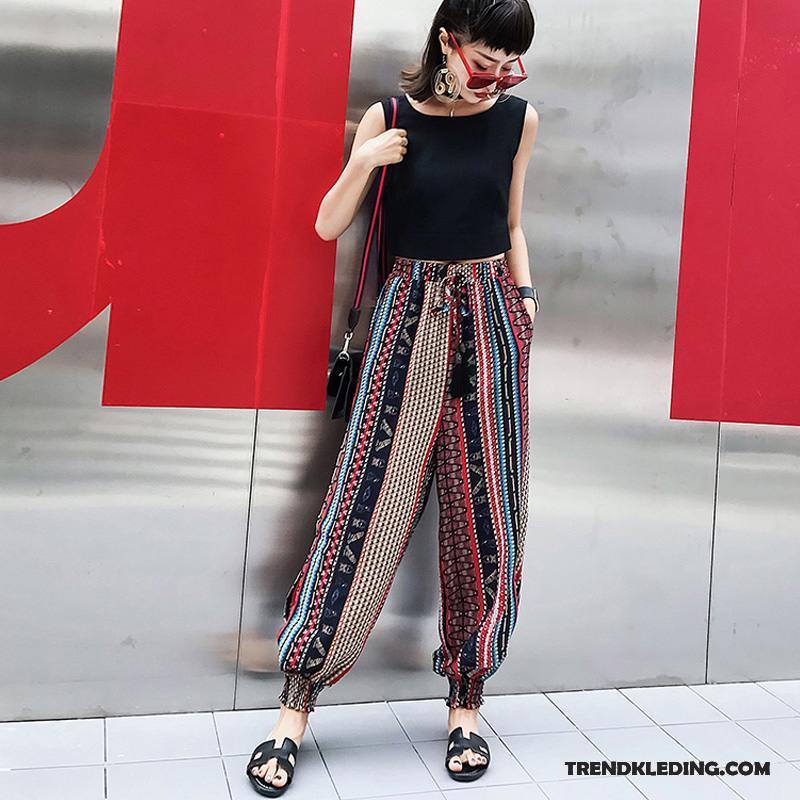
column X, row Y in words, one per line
column 343, row 376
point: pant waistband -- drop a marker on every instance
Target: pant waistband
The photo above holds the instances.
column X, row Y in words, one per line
column 465, row 269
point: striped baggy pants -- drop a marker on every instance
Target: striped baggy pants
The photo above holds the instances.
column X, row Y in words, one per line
column 442, row 390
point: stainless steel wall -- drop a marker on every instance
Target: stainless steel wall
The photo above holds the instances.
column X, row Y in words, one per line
column 145, row 553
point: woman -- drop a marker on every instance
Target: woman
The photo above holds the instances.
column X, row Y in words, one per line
column 443, row 386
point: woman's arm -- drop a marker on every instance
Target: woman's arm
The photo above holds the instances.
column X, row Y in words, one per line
column 373, row 146
column 518, row 260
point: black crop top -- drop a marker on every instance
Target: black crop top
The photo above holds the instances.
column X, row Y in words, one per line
column 448, row 198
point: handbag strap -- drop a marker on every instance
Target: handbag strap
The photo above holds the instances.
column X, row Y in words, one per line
column 376, row 223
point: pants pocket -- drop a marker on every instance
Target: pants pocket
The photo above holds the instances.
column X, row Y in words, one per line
column 515, row 303
column 528, row 317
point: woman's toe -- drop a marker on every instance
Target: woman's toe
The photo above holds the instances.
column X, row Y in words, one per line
column 279, row 778
column 455, row 763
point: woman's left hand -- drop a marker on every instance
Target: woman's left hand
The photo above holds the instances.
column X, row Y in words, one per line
column 530, row 307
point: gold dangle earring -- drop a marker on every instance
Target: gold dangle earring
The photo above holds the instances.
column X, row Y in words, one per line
column 445, row 82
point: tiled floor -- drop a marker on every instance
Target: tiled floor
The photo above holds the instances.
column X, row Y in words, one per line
column 396, row 750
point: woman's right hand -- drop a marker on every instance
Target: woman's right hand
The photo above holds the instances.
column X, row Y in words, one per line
column 388, row 147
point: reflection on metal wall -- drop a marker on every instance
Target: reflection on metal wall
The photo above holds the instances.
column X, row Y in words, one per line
column 56, row 71
column 145, row 554
column 755, row 611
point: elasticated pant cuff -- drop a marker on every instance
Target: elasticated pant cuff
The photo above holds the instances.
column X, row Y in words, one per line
column 465, row 693
column 300, row 693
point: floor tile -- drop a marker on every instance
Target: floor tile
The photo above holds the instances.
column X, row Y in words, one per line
column 681, row 787
column 503, row 767
column 310, row 782
column 744, row 700
column 543, row 754
column 524, row 713
column 638, row 744
column 424, row 796
column 782, row 735
column 65, row 783
column 240, row 731
column 415, row 796
column 355, row 724
column 783, row 783
column 787, row 691
column 721, row 742
column 592, row 789
column 425, row 719
column 373, row 770
column 153, row 737
column 51, row 743
column 195, row 778
column 395, row 750
column 518, row 791
column 599, row 708
column 673, row 704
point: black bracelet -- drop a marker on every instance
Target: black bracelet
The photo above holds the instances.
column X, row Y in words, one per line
column 530, row 291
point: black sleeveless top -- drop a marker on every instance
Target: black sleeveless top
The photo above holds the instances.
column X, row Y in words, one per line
column 448, row 198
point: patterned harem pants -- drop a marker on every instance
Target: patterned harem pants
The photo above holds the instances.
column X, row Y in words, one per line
column 443, row 390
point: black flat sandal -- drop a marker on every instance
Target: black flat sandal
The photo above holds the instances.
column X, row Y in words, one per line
column 457, row 743
column 262, row 754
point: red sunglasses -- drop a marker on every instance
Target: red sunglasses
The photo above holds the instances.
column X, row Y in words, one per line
column 480, row 80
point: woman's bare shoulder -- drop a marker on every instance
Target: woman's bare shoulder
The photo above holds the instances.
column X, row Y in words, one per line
column 374, row 117
column 531, row 114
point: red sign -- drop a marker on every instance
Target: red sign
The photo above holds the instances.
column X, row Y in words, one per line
column 197, row 224
column 737, row 343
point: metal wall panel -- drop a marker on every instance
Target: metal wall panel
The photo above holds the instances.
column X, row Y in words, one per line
column 121, row 545
column 755, row 605
column 619, row 562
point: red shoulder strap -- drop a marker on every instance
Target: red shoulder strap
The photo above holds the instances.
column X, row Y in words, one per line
column 376, row 224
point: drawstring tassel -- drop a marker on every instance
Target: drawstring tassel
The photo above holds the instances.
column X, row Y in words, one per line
column 459, row 380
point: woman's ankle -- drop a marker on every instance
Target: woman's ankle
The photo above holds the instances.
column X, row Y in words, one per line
column 292, row 721
column 460, row 716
